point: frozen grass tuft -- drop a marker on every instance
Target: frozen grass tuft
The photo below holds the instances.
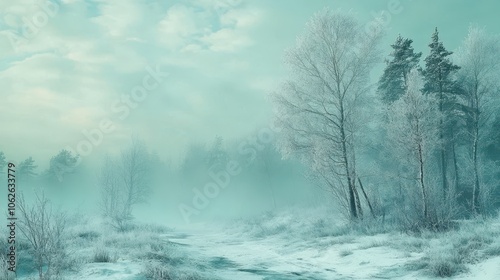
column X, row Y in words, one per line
column 102, row 255
column 448, row 254
column 408, row 243
column 373, row 244
column 159, row 271
column 89, row 235
column 493, row 249
column 442, row 261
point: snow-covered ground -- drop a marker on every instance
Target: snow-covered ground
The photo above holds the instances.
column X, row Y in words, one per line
column 277, row 257
column 278, row 247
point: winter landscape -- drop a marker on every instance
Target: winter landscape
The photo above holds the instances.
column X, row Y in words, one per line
column 259, row 140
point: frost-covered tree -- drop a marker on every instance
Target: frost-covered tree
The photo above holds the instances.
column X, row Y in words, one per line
column 480, row 60
column 44, row 231
column 413, row 131
column 440, row 80
column 394, row 80
column 317, row 106
column 124, row 183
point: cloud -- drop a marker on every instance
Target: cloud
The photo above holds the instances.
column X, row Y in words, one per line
column 65, row 78
column 117, row 18
column 241, row 18
column 218, row 26
column 181, row 26
column 226, row 40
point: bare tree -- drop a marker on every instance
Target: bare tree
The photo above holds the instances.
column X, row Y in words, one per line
column 480, row 61
column 43, row 229
column 413, row 130
column 112, row 198
column 125, row 183
column 318, row 106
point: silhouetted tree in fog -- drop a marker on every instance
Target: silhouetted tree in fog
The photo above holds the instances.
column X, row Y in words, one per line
column 124, row 183
column 61, row 164
column 26, row 169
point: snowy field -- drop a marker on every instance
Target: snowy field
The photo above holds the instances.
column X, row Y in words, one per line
column 287, row 245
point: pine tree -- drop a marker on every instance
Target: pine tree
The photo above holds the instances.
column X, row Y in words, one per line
column 26, row 169
column 217, row 156
column 439, row 80
column 394, row 80
column 62, row 163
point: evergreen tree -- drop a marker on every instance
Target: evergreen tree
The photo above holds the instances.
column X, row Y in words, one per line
column 26, row 169
column 394, row 80
column 62, row 163
column 439, row 78
column 217, row 156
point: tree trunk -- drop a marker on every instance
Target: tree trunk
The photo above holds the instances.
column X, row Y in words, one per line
column 358, row 202
column 441, row 138
column 455, row 167
column 476, row 191
column 366, row 197
column 476, row 209
column 350, row 182
column 422, row 183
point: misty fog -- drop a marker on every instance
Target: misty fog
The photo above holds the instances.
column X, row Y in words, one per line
column 228, row 139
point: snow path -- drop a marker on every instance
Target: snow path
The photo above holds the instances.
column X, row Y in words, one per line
column 233, row 257
column 275, row 258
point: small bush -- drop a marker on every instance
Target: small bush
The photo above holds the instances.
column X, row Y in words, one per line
column 155, row 228
column 493, row 250
column 158, row 271
column 409, row 244
column 102, row 256
column 373, row 244
column 44, row 230
column 441, row 262
column 4, row 268
column 89, row 235
column 446, row 268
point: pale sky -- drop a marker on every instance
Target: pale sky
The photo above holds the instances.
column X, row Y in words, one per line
column 67, row 66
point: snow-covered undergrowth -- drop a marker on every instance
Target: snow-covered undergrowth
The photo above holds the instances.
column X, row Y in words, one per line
column 142, row 252
column 454, row 252
column 310, row 223
column 426, row 254
column 289, row 244
column 94, row 250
